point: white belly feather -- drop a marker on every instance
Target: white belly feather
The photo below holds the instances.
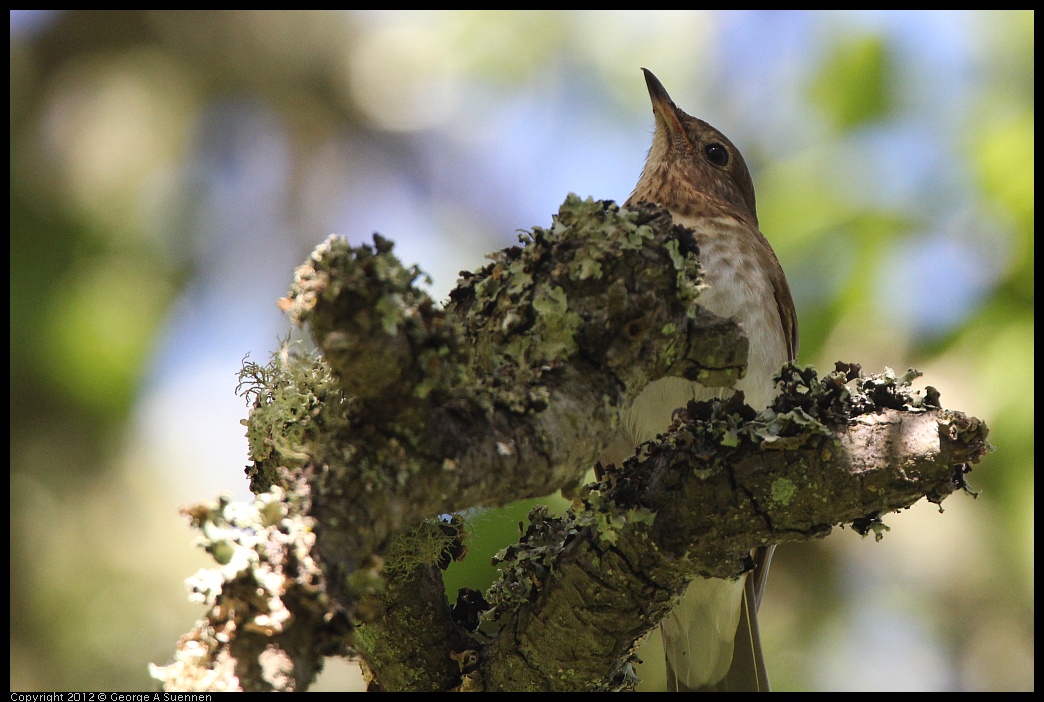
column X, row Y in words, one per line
column 699, row 632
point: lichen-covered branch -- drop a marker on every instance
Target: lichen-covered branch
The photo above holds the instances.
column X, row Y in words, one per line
column 404, row 642
column 267, row 627
column 410, row 410
column 513, row 390
column 633, row 540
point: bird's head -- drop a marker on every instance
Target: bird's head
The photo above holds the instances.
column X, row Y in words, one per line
column 692, row 168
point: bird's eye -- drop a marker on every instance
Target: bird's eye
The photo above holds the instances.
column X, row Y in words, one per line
column 716, row 154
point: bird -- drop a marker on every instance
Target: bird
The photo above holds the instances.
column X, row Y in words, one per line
column 711, row 639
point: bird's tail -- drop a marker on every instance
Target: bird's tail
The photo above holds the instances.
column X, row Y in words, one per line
column 747, row 672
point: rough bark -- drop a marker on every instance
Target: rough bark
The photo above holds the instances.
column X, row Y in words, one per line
column 512, row 390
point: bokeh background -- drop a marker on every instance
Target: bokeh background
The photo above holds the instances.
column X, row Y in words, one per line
column 168, row 171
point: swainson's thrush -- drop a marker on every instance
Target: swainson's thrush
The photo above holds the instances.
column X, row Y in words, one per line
column 711, row 636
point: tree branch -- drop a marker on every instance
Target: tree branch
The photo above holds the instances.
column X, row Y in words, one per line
column 512, row 391
column 636, row 538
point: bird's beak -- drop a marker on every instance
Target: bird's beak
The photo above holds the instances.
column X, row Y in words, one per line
column 664, row 109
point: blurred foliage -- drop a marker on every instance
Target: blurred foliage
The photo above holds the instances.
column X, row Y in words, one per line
column 884, row 146
column 853, row 87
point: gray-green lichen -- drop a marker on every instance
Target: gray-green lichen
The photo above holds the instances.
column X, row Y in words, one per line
column 539, row 323
column 526, row 567
column 295, row 401
column 807, row 405
column 267, row 582
column 783, row 489
column 433, row 542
